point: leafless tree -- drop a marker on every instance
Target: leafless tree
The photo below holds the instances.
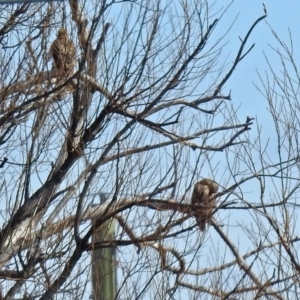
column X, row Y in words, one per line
column 148, row 115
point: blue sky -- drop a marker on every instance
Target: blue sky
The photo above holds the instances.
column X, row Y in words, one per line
column 282, row 16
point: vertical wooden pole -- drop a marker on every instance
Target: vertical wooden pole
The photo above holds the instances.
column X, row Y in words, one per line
column 104, row 280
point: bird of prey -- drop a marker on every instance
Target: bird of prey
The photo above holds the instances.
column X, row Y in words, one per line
column 62, row 51
column 204, row 195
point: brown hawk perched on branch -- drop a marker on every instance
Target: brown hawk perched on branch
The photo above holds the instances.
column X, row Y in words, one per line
column 204, row 194
column 62, row 51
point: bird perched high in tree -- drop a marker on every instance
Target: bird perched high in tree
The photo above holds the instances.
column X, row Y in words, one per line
column 62, row 51
column 204, row 195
